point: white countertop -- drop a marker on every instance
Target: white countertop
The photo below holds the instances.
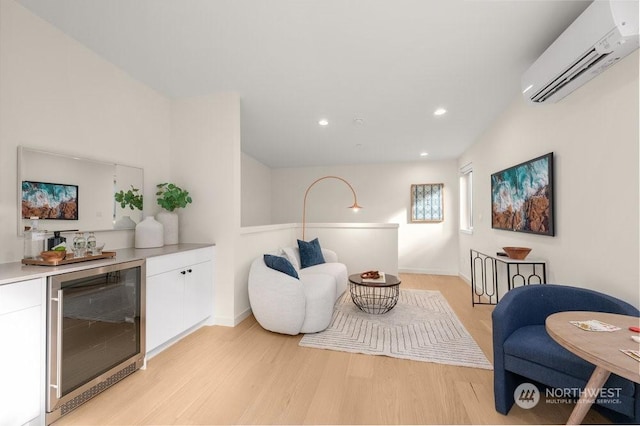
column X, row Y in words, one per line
column 16, row 271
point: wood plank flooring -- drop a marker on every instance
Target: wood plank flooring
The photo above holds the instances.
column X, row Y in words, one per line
column 246, row 375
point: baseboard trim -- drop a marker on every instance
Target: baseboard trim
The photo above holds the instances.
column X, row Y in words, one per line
column 465, row 278
column 242, row 316
column 427, row 271
column 224, row 321
column 155, row 351
column 232, row 322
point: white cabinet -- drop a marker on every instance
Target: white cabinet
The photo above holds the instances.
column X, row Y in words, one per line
column 179, row 294
column 198, row 293
column 22, row 351
column 164, row 308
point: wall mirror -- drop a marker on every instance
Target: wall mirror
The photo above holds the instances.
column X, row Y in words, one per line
column 71, row 193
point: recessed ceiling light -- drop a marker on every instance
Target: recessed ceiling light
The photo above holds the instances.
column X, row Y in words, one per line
column 323, row 122
column 440, row 111
column 424, row 154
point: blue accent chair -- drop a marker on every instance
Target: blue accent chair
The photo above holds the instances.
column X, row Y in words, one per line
column 524, row 352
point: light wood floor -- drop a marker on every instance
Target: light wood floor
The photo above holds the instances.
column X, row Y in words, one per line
column 246, row 375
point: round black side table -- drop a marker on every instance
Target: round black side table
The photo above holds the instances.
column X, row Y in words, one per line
column 374, row 297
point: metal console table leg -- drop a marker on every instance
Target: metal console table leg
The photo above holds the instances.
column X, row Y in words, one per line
column 485, row 276
column 483, row 267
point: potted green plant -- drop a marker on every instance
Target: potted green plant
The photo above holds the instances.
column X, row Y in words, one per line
column 132, row 199
column 170, row 198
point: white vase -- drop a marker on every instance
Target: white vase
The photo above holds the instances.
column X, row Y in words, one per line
column 125, row 222
column 171, row 225
column 149, row 233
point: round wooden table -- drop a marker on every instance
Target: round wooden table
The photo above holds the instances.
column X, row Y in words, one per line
column 374, row 297
column 601, row 348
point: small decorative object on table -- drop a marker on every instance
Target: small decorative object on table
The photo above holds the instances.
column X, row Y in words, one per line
column 91, row 243
column 374, row 275
column 33, row 240
column 594, row 325
column 53, row 255
column 79, row 245
column 56, row 241
column 518, row 253
column 149, row 233
column 97, row 249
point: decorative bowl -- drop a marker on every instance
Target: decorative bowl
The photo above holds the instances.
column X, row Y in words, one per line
column 518, row 253
column 53, row 255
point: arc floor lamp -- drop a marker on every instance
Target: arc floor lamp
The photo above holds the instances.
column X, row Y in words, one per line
column 355, row 207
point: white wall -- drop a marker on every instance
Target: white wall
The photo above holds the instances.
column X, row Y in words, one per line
column 256, row 192
column 594, row 136
column 206, row 160
column 360, row 246
column 57, row 95
column 384, row 192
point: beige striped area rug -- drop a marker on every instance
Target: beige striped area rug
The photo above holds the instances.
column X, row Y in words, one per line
column 421, row 327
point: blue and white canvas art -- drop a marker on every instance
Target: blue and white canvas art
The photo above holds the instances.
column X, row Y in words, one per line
column 522, row 197
column 49, row 200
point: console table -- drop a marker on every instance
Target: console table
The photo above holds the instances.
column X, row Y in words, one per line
column 485, row 275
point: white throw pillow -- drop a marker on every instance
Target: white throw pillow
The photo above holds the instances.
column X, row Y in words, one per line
column 293, row 254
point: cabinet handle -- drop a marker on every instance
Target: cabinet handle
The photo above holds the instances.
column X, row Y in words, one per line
column 189, row 270
column 183, row 272
column 58, row 345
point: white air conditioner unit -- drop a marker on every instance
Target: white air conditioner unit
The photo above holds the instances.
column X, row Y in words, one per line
column 604, row 33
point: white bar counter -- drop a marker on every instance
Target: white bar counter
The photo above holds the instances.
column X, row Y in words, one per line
column 15, row 271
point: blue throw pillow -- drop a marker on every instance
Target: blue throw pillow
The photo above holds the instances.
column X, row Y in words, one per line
column 310, row 253
column 280, row 264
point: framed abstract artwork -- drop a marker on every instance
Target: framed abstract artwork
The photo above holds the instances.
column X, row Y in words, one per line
column 49, row 200
column 426, row 203
column 522, row 197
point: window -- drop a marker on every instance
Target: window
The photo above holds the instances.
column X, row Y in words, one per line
column 466, row 198
column 426, row 203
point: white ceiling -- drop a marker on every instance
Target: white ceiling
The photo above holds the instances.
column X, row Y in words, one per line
column 390, row 63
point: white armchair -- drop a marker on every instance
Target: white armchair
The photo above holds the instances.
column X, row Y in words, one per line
column 284, row 304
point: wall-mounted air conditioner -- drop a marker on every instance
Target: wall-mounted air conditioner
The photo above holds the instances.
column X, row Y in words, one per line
column 604, row 33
